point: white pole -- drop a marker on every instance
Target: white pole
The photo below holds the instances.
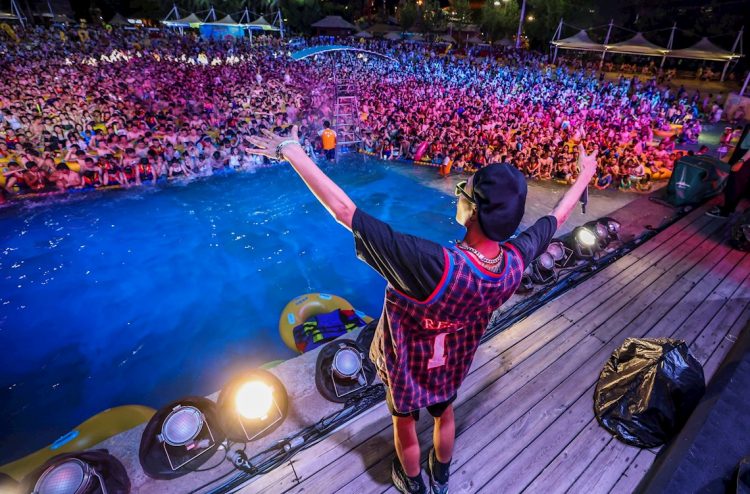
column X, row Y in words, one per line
column 15, row 10
column 606, row 40
column 520, row 24
column 734, row 50
column 556, row 37
column 744, row 86
column 669, row 45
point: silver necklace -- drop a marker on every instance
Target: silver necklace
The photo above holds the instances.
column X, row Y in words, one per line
column 460, row 244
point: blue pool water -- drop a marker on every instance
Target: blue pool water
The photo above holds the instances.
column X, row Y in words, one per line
column 144, row 295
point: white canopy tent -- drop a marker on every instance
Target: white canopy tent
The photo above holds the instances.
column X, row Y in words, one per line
column 393, row 36
column 334, row 22
column 579, row 41
column 704, row 50
column 362, row 34
column 191, row 20
column 637, row 45
column 224, row 21
column 262, row 24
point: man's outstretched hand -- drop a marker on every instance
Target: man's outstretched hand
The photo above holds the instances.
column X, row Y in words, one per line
column 266, row 146
column 586, row 164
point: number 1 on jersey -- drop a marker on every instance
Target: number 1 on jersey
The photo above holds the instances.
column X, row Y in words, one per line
column 438, row 352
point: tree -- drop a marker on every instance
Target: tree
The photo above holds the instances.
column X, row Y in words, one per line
column 462, row 12
column 499, row 20
column 407, row 15
column 300, row 14
column 433, row 17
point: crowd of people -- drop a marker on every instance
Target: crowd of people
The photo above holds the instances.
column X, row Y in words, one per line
column 125, row 107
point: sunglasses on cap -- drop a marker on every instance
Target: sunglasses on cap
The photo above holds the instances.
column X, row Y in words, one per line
column 461, row 191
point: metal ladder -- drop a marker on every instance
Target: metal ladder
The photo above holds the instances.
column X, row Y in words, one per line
column 346, row 119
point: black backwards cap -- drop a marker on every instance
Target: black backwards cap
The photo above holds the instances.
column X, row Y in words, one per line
column 500, row 194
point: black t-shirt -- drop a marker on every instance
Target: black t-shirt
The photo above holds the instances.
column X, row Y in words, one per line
column 413, row 265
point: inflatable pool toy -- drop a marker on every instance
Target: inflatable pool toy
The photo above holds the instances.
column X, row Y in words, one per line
column 302, row 308
column 420, row 151
column 101, row 426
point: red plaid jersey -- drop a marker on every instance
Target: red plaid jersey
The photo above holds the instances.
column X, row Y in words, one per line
column 423, row 350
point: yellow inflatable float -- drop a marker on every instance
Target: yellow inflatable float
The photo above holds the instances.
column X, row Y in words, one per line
column 101, row 426
column 306, row 306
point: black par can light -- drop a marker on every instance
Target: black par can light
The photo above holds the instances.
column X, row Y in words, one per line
column 84, row 472
column 342, row 369
column 252, row 405
column 180, row 437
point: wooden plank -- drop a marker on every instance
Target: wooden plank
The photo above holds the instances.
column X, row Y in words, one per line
column 732, row 317
column 604, row 472
column 709, row 369
column 572, row 461
column 675, row 289
column 561, row 472
column 613, row 459
column 630, row 479
column 671, row 236
column 525, row 466
column 476, row 476
column 480, row 406
column 344, row 446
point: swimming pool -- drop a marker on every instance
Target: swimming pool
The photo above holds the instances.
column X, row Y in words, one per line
column 144, row 295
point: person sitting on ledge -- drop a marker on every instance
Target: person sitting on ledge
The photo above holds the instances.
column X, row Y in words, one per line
column 438, row 300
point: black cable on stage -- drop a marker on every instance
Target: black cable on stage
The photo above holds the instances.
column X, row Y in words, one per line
column 286, row 448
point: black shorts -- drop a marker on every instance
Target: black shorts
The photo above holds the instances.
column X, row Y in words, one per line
column 330, row 154
column 435, row 410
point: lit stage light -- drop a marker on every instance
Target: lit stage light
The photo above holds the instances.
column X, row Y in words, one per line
column 252, row 405
column 584, row 242
column 180, row 437
column 342, row 369
column 254, row 400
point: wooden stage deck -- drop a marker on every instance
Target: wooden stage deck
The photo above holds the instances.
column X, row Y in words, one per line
column 524, row 416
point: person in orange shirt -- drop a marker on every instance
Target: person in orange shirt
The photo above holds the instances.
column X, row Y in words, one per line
column 328, row 136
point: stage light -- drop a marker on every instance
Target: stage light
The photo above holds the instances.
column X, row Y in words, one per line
column 601, row 232
column 543, row 269
column 254, row 400
column 586, row 237
column 82, row 472
column 180, row 437
column 612, row 226
column 342, row 369
column 584, row 242
column 252, row 405
column 562, row 254
column 526, row 285
column 71, row 476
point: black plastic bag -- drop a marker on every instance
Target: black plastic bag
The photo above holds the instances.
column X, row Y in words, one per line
column 647, row 390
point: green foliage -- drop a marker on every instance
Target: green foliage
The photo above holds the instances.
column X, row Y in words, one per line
column 462, row 12
column 407, row 15
column 499, row 21
column 433, row 17
column 299, row 14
